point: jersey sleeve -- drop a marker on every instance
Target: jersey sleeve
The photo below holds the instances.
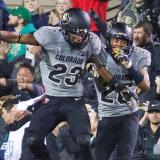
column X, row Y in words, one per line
column 46, row 35
column 102, row 56
column 95, row 44
column 145, row 60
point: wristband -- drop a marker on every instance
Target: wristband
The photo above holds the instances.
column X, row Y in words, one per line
column 135, row 75
column 19, row 37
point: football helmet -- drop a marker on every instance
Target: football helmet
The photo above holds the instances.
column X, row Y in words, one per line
column 76, row 22
column 120, row 31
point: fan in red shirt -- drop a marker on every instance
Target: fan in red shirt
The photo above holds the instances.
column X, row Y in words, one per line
column 99, row 6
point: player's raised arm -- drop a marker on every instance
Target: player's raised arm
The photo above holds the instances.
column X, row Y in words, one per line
column 13, row 37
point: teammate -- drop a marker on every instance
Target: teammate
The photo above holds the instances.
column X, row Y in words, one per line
column 117, row 106
column 65, row 51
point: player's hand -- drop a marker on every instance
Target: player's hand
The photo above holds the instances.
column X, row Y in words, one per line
column 35, row 50
column 22, row 86
column 92, row 69
column 124, row 59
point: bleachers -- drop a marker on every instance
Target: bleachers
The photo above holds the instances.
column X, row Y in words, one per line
column 49, row 4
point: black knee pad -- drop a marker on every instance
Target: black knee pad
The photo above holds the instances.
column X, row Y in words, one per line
column 37, row 146
column 83, row 139
column 84, row 144
column 35, row 143
column 33, row 140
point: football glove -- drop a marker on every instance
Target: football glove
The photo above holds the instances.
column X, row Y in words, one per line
column 122, row 58
column 129, row 97
column 90, row 67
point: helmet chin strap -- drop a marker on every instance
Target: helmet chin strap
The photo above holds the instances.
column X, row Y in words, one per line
column 78, row 45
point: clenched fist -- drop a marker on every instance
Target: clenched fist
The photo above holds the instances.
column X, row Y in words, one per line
column 122, row 58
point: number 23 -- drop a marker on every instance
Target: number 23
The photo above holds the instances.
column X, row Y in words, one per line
column 61, row 69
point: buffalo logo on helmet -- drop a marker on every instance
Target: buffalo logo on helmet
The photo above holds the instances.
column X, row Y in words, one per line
column 65, row 18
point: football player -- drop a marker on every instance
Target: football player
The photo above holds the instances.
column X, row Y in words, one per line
column 118, row 105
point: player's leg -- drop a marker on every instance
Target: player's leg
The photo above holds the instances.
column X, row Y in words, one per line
column 84, row 142
column 127, row 132
column 25, row 151
column 79, row 123
column 106, row 138
column 42, row 123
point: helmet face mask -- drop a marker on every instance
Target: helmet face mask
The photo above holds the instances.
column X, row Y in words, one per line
column 118, row 43
column 75, row 25
column 119, row 38
column 76, row 39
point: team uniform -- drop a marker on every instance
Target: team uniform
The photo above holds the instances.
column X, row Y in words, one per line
column 119, row 118
column 61, row 69
column 62, row 66
column 109, row 99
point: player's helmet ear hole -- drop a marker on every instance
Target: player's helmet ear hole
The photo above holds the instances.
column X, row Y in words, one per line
column 75, row 25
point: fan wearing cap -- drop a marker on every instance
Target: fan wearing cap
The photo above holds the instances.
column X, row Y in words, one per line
column 149, row 133
column 19, row 18
column 154, row 107
column 20, row 12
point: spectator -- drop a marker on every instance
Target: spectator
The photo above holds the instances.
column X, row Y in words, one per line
column 138, row 10
column 61, row 143
column 38, row 18
column 56, row 14
column 19, row 18
column 24, row 86
column 4, row 17
column 149, row 133
column 5, row 71
column 16, row 120
column 150, row 12
column 6, row 119
column 5, row 67
column 142, row 37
